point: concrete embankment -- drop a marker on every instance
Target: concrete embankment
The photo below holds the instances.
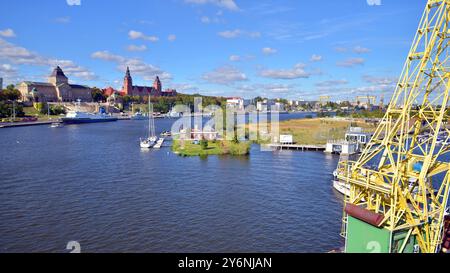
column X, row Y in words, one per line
column 24, row 124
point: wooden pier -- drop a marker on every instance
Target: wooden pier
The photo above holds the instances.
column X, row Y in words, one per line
column 298, row 147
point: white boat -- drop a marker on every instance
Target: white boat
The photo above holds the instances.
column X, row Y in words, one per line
column 173, row 114
column 56, row 125
column 151, row 138
column 341, row 187
column 138, row 116
column 78, row 117
column 146, row 143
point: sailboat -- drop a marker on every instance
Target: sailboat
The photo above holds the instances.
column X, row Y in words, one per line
column 151, row 138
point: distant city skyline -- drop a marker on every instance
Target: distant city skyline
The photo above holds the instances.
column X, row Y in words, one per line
column 290, row 48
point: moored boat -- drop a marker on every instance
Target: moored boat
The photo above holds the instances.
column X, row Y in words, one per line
column 76, row 117
column 56, row 125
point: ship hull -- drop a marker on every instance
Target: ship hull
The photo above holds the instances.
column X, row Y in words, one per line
column 86, row 120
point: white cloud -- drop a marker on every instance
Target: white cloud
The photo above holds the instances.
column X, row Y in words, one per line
column 229, row 34
column 138, row 66
column 235, row 58
column 269, row 90
column 184, row 88
column 316, row 58
column 73, row 2
column 205, row 20
column 254, row 34
column 63, row 20
column 269, row 51
column 298, row 71
column 132, row 34
column 225, row 75
column 351, row 62
column 379, row 80
column 331, row 83
column 8, row 33
column 22, row 56
column 208, row 20
column 137, row 48
column 360, row 50
column 340, row 49
column 373, row 2
column 9, row 74
column 226, row 4
column 172, row 37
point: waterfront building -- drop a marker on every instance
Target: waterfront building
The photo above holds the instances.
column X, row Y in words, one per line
column 355, row 141
column 235, row 103
column 134, row 90
column 270, row 105
column 57, row 89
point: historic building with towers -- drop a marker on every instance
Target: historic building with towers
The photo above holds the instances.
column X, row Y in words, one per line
column 135, row 90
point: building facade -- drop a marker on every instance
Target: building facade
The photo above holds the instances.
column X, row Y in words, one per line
column 57, row 89
column 134, row 90
column 235, row 103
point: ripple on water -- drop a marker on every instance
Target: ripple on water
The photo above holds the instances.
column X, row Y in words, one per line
column 93, row 184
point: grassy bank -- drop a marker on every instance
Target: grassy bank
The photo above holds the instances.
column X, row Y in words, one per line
column 33, row 112
column 188, row 148
column 318, row 130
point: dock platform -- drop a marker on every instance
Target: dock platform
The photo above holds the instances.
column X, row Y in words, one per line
column 159, row 143
column 298, row 147
column 26, row 124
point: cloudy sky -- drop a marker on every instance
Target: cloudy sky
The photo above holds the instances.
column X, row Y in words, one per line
column 294, row 49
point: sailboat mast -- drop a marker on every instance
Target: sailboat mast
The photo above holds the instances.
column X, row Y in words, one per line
column 151, row 121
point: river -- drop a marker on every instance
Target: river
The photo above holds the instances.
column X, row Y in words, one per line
column 93, row 184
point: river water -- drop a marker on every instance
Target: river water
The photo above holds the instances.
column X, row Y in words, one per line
column 93, row 184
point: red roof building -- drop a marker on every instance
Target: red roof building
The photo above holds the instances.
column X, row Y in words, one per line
column 134, row 90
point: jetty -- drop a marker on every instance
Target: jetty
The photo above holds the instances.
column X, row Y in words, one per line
column 159, row 143
column 26, row 124
column 298, row 147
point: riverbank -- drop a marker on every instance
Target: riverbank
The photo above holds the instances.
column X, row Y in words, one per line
column 317, row 131
column 219, row 147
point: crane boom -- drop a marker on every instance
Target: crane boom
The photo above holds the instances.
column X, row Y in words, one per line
column 399, row 186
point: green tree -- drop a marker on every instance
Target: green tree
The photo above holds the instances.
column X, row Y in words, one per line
column 10, row 93
column 6, row 109
column 204, row 144
column 97, row 95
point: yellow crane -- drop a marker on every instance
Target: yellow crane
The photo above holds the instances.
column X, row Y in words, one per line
column 370, row 99
column 399, row 186
column 324, row 99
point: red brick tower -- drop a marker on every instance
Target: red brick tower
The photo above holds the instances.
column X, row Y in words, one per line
column 128, row 83
column 157, row 86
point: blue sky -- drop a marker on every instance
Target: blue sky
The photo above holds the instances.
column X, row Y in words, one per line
column 293, row 49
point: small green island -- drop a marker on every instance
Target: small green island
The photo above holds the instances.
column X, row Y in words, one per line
column 215, row 147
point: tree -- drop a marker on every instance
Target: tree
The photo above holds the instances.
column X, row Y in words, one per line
column 10, row 93
column 97, row 95
column 7, row 108
column 204, row 144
